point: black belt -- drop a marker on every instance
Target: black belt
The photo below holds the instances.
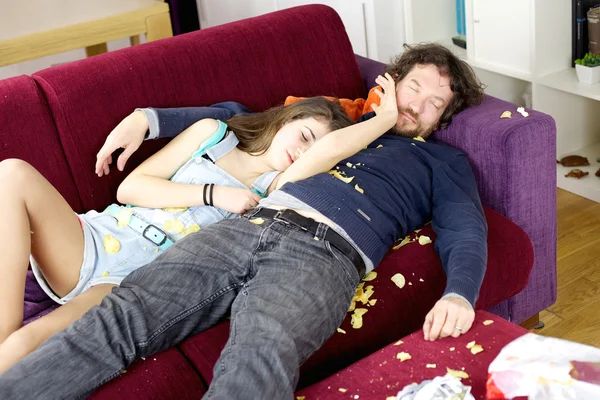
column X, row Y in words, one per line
column 310, row 225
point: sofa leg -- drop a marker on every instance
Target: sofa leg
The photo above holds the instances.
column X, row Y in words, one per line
column 532, row 323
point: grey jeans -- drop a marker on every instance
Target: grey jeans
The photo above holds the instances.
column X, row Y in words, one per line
column 287, row 293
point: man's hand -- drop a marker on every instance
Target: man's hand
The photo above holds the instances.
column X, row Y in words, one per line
column 449, row 317
column 129, row 135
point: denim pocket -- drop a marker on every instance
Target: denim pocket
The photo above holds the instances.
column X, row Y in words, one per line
column 347, row 266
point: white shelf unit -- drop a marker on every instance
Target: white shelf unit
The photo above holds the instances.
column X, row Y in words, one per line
column 519, row 45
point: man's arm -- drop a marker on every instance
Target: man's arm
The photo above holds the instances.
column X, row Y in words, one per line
column 461, row 243
column 170, row 122
column 152, row 123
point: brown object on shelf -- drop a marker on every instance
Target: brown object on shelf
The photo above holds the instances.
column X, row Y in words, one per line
column 593, row 23
column 576, row 173
column 574, row 161
column 598, row 173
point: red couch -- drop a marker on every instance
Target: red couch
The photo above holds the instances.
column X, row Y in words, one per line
column 58, row 118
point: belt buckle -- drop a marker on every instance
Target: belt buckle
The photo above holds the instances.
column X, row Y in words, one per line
column 155, row 235
column 278, row 217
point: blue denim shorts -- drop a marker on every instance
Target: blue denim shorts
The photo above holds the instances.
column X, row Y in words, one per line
column 100, row 267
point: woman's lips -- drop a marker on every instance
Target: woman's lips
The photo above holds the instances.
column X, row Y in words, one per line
column 290, row 159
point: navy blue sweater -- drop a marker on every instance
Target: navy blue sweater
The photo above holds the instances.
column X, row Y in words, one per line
column 406, row 183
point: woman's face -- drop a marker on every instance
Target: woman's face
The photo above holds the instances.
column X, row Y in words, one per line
column 293, row 139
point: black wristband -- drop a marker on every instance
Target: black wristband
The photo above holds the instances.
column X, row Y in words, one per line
column 204, row 191
column 210, row 195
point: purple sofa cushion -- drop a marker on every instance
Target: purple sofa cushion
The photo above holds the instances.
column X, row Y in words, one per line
column 248, row 61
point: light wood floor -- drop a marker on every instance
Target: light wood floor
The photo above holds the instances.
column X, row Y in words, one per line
column 576, row 314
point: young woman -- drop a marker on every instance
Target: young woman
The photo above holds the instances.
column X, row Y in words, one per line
column 211, row 171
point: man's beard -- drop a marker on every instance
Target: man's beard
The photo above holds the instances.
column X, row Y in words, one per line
column 404, row 130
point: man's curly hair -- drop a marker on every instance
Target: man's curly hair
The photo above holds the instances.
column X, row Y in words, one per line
column 467, row 89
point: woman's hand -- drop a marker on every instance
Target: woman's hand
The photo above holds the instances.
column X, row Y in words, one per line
column 129, row 135
column 388, row 106
column 235, row 200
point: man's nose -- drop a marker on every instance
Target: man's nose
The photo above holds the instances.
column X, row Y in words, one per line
column 417, row 105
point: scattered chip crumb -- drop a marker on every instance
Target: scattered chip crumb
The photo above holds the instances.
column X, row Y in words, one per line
column 174, row 210
column 174, row 225
column 413, row 144
column 359, row 189
column 348, row 164
column 403, row 356
column 372, row 302
column 404, row 242
column 522, row 111
column 370, row 276
column 191, row 229
column 409, row 283
column 421, row 280
column 399, row 280
column 356, row 319
column 431, row 366
column 470, row 344
column 423, row 240
column 452, row 348
column 391, row 398
column 379, row 146
column 488, row 322
column 338, row 175
column 105, row 274
column 476, row 349
column 111, row 245
column 356, row 396
column 257, row 221
column 506, row 114
column 457, row 374
column 398, row 343
column 419, row 139
column 316, row 238
column 340, row 330
column 123, row 371
column 343, row 390
column 124, row 217
column 300, row 397
column 156, row 250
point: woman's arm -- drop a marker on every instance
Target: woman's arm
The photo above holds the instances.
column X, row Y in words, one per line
column 341, row 144
column 149, row 185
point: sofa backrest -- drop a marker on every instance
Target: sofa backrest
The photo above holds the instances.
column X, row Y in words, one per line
column 27, row 132
column 257, row 62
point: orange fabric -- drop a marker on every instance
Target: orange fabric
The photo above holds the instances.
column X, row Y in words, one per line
column 354, row 108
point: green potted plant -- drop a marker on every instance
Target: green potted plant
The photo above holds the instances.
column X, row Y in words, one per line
column 588, row 68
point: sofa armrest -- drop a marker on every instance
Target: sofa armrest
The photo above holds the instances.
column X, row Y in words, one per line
column 514, row 163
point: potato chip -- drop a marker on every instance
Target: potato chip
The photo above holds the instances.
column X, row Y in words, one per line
column 372, row 302
column 105, row 274
column 349, row 165
column 522, row 111
column 488, row 322
column 476, row 349
column 300, row 397
column 174, row 210
column 452, row 348
column 343, row 390
column 398, row 343
column 111, row 245
column 124, row 217
column 379, row 146
column 370, row 276
column 359, row 189
column 421, row 280
column 257, row 221
column 423, row 240
column 470, row 344
column 457, row 374
column 352, row 306
column 399, row 280
column 506, row 114
column 191, row 229
column 173, row 225
column 391, row 398
column 356, row 320
column 366, row 295
column 340, row 330
column 341, row 177
column 403, row 356
column 404, row 242
column 431, row 366
column 419, row 139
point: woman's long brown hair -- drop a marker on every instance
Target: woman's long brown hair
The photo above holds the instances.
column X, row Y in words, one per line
column 256, row 131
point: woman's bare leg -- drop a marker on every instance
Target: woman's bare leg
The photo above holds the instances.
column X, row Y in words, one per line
column 29, row 337
column 34, row 219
